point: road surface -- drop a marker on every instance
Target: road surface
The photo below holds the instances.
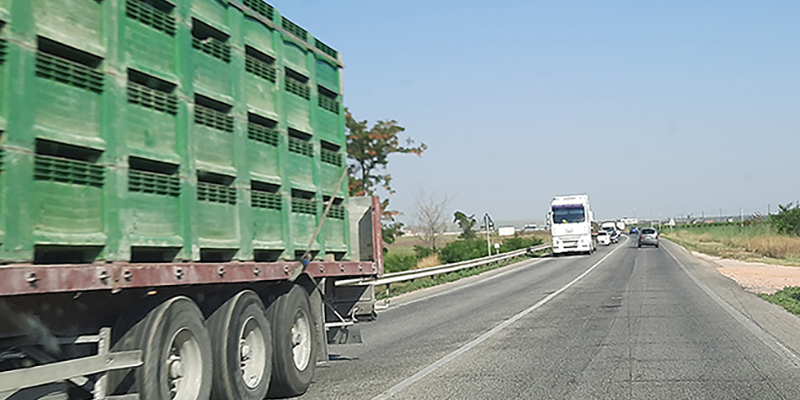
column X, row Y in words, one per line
column 623, row 323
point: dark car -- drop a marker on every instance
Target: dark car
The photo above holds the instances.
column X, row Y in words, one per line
column 648, row 236
column 634, row 231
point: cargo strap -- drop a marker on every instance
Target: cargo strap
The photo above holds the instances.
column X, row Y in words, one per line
column 306, row 258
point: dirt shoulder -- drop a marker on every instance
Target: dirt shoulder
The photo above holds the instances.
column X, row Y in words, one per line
column 755, row 277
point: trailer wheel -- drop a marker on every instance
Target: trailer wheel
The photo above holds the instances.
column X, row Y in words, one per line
column 294, row 348
column 176, row 351
column 242, row 347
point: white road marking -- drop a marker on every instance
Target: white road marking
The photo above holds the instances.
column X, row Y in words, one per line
column 482, row 338
column 751, row 326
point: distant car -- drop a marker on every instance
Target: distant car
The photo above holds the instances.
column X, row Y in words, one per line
column 613, row 234
column 634, row 231
column 603, row 238
column 648, row 236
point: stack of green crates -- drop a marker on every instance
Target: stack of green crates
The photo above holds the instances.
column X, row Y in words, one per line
column 167, row 131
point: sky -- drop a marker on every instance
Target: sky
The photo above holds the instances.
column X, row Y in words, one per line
column 653, row 108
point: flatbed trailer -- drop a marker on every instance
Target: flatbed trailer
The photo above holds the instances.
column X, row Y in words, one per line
column 174, row 208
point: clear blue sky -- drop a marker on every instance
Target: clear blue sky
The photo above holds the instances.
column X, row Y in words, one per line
column 672, row 107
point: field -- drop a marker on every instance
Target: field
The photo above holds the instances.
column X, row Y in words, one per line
column 404, row 245
column 757, row 242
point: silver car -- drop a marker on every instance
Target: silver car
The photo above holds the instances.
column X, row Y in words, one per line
column 648, row 236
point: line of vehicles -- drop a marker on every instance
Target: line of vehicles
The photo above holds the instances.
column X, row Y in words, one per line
column 574, row 230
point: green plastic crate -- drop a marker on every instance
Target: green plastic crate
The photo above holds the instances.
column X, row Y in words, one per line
column 258, row 36
column 331, row 168
column 213, row 133
column 152, row 210
column 150, row 36
column 327, row 75
column 327, row 126
column 150, row 119
column 295, row 57
column 297, row 111
column 212, row 59
column 299, row 164
column 177, row 85
column 68, row 202
column 260, row 86
column 78, row 23
column 303, row 219
column 336, row 232
column 68, row 99
column 268, row 209
column 216, row 207
column 262, row 150
column 214, row 12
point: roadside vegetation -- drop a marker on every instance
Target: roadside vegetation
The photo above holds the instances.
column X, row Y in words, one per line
column 772, row 240
column 417, row 252
column 788, row 298
column 399, row 288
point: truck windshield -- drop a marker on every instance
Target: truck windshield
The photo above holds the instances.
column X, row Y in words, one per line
column 568, row 214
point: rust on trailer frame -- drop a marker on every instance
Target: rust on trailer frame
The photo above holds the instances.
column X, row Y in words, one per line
column 31, row 279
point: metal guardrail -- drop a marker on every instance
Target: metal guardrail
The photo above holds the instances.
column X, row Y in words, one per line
column 438, row 270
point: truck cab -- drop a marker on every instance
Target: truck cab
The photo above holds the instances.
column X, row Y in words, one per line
column 570, row 219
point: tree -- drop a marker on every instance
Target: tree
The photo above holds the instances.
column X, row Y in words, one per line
column 370, row 148
column 430, row 213
column 368, row 151
column 787, row 220
column 466, row 223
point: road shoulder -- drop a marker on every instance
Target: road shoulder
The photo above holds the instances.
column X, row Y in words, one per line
column 772, row 318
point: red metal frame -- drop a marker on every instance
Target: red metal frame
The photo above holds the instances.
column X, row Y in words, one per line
column 30, row 279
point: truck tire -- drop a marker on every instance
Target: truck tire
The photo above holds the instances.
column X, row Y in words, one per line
column 242, row 348
column 176, row 353
column 293, row 343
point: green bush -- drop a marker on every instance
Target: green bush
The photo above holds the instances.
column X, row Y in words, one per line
column 422, row 251
column 788, row 298
column 462, row 250
column 399, row 262
column 787, row 221
column 516, row 243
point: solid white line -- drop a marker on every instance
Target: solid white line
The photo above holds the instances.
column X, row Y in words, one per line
column 751, row 326
column 482, row 338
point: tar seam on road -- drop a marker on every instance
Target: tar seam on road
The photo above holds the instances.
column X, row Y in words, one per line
column 482, row 338
column 751, row 326
column 532, row 263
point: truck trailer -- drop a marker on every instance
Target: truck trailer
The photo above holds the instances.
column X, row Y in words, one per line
column 572, row 224
column 174, row 202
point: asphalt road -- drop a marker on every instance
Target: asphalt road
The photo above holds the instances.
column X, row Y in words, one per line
column 626, row 322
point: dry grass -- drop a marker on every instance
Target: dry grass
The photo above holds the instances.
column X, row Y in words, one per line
column 427, row 262
column 762, row 246
column 770, row 246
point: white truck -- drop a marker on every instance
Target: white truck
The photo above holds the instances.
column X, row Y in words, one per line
column 570, row 219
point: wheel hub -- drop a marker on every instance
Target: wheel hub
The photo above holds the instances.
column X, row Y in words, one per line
column 252, row 353
column 301, row 341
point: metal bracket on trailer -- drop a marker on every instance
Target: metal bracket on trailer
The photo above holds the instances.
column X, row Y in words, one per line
column 13, row 381
column 343, row 331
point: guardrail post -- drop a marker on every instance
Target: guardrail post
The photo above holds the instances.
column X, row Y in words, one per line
column 388, row 289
